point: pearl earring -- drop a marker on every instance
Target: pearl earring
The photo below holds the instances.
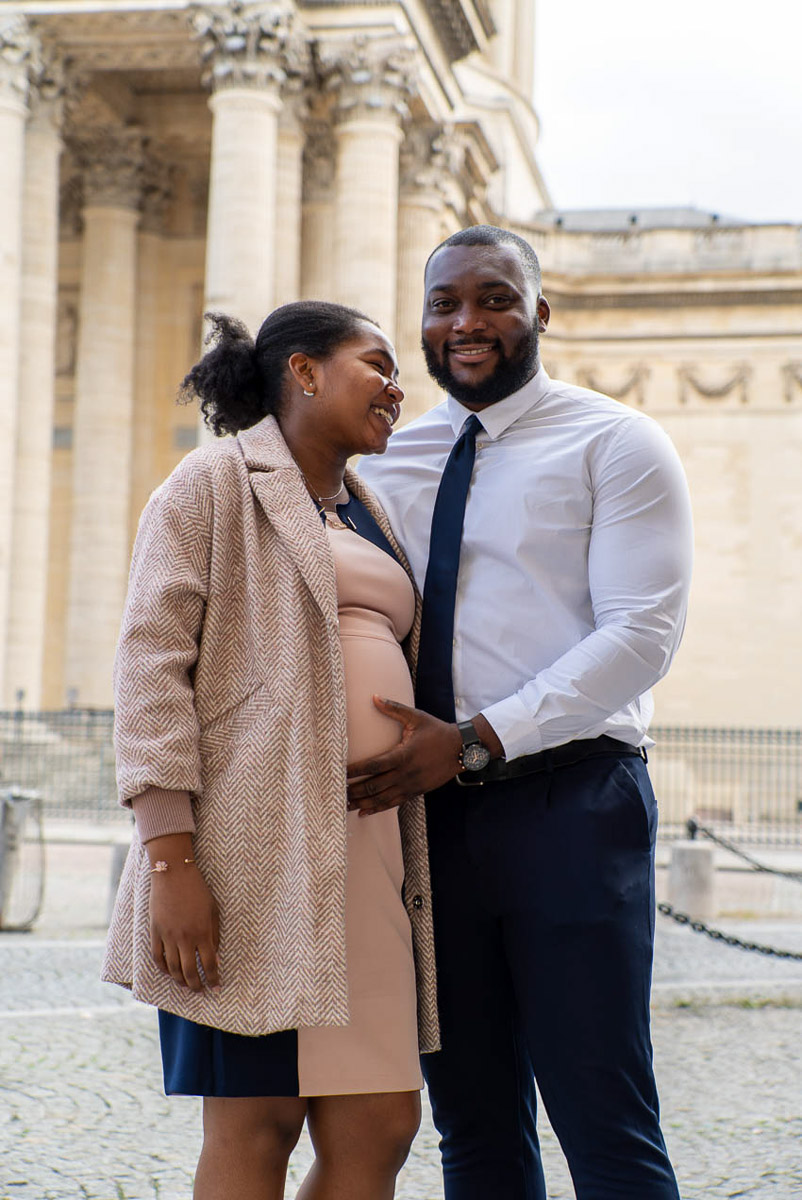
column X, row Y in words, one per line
column 306, row 393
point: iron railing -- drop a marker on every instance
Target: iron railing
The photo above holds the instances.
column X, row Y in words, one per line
column 746, row 783
column 68, row 757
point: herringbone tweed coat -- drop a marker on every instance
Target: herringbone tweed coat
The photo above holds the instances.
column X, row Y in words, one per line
column 229, row 684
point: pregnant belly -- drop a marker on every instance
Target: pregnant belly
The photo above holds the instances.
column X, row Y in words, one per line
column 374, row 664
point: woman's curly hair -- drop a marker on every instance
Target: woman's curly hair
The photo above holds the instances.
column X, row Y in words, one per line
column 238, row 381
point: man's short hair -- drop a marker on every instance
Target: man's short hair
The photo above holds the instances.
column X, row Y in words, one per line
column 492, row 235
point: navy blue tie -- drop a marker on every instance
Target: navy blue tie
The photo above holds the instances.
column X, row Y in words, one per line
column 434, row 688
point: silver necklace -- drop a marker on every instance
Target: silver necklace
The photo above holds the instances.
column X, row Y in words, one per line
column 314, row 495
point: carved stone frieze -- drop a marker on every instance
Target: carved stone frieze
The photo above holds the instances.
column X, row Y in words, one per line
column 368, row 76
column 256, row 45
column 715, row 298
column 121, row 40
column 629, row 387
column 714, row 383
column 792, row 376
column 112, row 163
column 19, row 55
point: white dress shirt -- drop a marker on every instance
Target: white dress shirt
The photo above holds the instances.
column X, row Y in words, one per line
column 575, row 563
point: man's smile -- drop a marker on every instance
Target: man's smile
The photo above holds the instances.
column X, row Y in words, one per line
column 471, row 351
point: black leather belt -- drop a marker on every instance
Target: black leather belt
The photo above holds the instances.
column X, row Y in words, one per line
column 498, row 769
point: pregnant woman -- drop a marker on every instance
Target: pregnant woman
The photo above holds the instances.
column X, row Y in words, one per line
column 275, row 931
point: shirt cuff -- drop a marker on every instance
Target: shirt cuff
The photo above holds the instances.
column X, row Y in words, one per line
column 159, row 811
column 514, row 727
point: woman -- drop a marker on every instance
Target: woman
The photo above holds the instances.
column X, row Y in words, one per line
column 266, row 604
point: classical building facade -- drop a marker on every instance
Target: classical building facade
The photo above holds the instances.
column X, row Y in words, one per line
column 696, row 320
column 161, row 158
column 165, row 157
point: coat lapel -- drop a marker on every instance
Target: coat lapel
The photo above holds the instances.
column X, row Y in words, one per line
column 278, row 486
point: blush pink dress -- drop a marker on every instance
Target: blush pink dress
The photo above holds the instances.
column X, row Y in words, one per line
column 378, row 1050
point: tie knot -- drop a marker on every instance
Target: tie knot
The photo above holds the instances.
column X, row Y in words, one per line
column 471, row 426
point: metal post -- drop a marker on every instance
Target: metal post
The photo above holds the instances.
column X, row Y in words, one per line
column 691, row 880
column 6, row 857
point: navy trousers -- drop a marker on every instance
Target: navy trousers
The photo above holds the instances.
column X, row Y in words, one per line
column 543, row 896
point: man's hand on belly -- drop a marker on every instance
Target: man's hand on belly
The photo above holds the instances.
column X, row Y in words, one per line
column 427, row 756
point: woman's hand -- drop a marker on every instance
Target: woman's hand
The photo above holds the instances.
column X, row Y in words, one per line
column 183, row 916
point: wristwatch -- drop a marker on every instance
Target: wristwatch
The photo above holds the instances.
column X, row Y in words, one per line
column 474, row 755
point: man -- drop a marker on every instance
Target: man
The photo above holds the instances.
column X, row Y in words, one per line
column 540, row 639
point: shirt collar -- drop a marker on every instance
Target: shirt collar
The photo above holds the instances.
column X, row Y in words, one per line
column 497, row 418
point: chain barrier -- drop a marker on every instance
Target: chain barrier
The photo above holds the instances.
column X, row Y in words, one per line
column 729, row 939
column 694, row 827
column 718, row 935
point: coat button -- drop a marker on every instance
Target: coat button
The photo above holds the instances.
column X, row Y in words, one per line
column 417, row 901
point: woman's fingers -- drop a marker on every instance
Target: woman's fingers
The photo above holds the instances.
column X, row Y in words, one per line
column 185, row 930
column 157, row 952
column 190, row 965
column 189, row 969
column 172, row 961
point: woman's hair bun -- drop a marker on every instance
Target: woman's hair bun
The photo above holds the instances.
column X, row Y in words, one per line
column 227, row 381
column 239, row 381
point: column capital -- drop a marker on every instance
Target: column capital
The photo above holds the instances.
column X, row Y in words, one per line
column 370, row 77
column 296, row 108
column 431, row 155
column 48, row 86
column 250, row 45
column 320, row 165
column 112, row 162
column 19, row 52
column 157, row 192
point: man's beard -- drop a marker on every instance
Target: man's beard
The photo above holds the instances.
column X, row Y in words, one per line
column 511, row 372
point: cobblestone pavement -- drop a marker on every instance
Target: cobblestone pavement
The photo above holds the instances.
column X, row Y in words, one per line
column 82, row 1113
column 83, row 1117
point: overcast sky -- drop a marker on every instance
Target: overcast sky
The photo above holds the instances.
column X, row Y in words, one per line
column 693, row 102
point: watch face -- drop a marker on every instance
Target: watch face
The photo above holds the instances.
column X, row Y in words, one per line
column 475, row 756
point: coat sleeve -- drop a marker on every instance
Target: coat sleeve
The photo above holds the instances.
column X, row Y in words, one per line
column 157, row 736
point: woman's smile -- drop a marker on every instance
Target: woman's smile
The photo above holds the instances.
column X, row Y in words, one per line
column 389, row 413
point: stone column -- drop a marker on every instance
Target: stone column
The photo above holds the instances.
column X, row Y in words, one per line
column 424, row 169
column 317, row 214
column 250, row 51
column 370, row 79
column 37, row 337
column 17, row 48
column 289, row 171
column 102, row 430
column 153, row 402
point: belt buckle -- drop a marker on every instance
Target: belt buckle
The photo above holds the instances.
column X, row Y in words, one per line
column 468, row 783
